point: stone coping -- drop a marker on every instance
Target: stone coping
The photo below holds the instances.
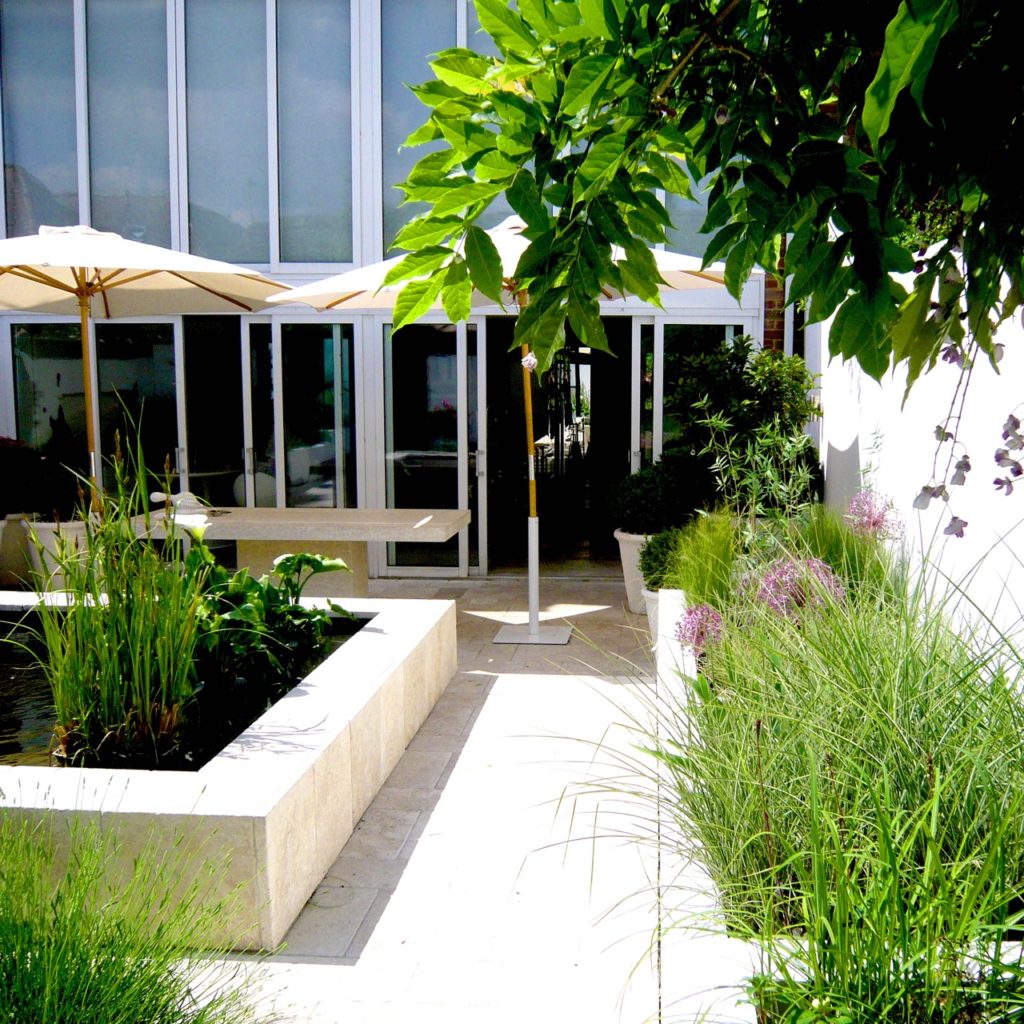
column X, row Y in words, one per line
column 276, row 806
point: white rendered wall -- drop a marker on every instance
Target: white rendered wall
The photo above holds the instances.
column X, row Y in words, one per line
column 867, row 433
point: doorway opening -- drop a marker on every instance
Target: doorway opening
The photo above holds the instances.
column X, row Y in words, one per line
column 581, row 427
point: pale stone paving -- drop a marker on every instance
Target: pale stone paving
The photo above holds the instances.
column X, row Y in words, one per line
column 472, row 888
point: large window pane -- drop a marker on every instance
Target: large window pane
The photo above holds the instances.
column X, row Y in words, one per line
column 213, row 404
column 687, row 216
column 37, row 70
column 128, row 147
column 319, row 407
column 136, row 385
column 411, row 30
column 421, row 432
column 314, row 131
column 50, row 413
column 226, row 96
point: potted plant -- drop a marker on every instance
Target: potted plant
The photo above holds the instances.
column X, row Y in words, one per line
column 656, row 557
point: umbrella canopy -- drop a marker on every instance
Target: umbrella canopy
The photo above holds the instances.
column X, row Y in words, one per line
column 80, row 270
column 364, row 289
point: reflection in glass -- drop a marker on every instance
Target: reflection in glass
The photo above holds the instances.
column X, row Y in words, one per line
column 314, row 131
column 683, row 342
column 213, row 406
column 409, row 31
column 421, row 431
column 49, row 402
column 226, row 95
column 261, row 391
column 646, row 394
column 128, row 145
column 37, row 79
column 135, row 374
column 687, row 216
column 319, row 414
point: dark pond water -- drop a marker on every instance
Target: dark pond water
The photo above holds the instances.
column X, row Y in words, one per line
column 26, row 706
column 26, row 710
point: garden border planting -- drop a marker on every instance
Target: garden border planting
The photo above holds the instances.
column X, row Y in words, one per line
column 279, row 802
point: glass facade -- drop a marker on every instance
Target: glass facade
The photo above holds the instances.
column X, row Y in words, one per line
column 410, row 30
column 314, row 124
column 37, row 77
column 319, row 414
column 226, row 99
column 129, row 147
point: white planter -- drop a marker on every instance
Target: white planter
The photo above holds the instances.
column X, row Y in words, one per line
column 629, row 552
column 670, row 657
column 276, row 806
column 651, row 606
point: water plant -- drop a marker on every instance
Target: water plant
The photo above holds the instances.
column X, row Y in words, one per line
column 118, row 648
column 157, row 656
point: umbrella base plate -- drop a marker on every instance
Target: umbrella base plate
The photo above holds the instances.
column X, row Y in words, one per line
column 523, row 635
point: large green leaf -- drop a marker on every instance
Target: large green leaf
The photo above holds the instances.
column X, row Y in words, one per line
column 415, row 299
column 463, row 70
column 457, row 293
column 423, row 261
column 585, row 82
column 911, row 39
column 505, row 26
column 524, row 197
column 600, row 161
column 426, row 231
column 484, row 262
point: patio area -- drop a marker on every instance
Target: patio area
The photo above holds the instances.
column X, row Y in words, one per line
column 479, row 885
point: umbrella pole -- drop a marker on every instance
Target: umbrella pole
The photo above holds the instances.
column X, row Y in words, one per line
column 90, row 427
column 532, row 634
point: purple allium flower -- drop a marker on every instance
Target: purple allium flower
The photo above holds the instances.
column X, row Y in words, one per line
column 790, row 584
column 955, row 527
column 699, row 627
column 870, row 513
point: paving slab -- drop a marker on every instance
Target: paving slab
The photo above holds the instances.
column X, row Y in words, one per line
column 483, row 883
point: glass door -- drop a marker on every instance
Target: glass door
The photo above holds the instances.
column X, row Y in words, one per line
column 432, row 440
column 318, row 415
column 136, row 385
column 214, row 414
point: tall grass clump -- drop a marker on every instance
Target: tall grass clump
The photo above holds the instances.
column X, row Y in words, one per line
column 119, row 646
column 704, row 560
column 877, row 689
column 883, row 937
column 78, row 949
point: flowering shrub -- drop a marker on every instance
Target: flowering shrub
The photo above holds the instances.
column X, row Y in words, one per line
column 699, row 627
column 791, row 584
column 869, row 513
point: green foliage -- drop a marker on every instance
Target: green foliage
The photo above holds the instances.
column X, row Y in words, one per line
column 659, row 496
column 863, row 689
column 256, row 640
column 79, row 948
column 885, row 938
column 656, row 555
column 833, row 131
column 705, row 559
column 859, row 558
column 119, row 649
column 157, row 658
column 769, row 473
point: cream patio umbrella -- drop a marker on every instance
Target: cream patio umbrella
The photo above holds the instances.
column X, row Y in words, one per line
column 96, row 273
column 363, row 290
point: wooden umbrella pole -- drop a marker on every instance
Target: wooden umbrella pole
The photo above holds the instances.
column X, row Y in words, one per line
column 528, row 411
